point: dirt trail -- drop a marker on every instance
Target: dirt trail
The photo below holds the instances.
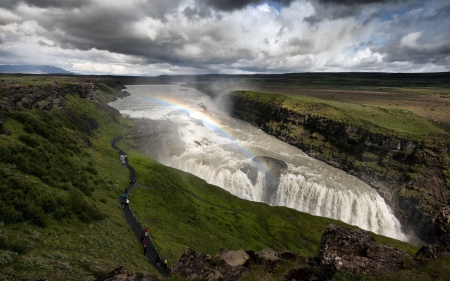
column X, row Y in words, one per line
column 152, row 255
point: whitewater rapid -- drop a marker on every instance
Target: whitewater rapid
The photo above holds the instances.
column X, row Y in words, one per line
column 222, row 150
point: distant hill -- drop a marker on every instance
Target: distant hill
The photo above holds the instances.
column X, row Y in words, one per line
column 33, row 69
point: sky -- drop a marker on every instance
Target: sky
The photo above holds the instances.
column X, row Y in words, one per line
column 155, row 37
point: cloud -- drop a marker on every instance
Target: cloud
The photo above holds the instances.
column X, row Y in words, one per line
column 62, row 4
column 200, row 36
column 420, row 37
column 231, row 5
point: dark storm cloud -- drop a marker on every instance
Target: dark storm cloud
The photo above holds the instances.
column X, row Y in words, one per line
column 231, row 5
column 63, row 4
column 113, row 30
column 420, row 39
column 158, row 9
column 356, row 2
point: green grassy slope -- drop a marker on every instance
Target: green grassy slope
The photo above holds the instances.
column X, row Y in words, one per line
column 60, row 218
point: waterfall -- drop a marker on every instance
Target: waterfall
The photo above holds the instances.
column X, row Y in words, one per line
column 250, row 164
column 364, row 208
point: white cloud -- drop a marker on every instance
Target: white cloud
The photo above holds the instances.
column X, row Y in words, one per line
column 410, row 40
column 148, row 36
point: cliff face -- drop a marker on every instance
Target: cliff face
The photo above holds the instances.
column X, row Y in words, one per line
column 411, row 176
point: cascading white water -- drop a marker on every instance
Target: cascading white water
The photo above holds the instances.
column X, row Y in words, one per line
column 221, row 149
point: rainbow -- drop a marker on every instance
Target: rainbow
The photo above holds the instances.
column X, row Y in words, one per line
column 195, row 113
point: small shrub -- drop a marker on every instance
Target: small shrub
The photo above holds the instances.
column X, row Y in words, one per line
column 56, row 256
column 7, row 257
column 29, row 140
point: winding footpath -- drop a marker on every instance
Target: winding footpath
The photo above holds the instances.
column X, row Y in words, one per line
column 151, row 255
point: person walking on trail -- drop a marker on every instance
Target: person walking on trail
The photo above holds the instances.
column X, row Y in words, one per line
column 144, row 244
column 125, row 203
column 146, row 231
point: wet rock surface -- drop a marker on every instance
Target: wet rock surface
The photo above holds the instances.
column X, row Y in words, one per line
column 274, row 168
column 355, row 251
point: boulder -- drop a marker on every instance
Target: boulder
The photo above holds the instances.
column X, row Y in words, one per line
column 226, row 265
column 233, row 258
column 268, row 254
column 355, row 251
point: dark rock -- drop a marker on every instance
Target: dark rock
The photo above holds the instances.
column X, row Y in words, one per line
column 355, row 251
column 272, row 163
column 442, row 225
column 288, row 255
column 428, row 252
column 301, row 274
column 121, row 274
column 275, row 168
column 250, row 171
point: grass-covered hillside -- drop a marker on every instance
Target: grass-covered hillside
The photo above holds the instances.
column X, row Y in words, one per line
column 59, row 184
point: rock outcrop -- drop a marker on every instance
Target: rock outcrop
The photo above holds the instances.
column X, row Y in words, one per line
column 226, row 265
column 442, row 224
column 53, row 96
column 355, row 251
column 229, row 265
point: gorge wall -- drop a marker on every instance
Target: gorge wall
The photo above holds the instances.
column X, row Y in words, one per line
column 411, row 176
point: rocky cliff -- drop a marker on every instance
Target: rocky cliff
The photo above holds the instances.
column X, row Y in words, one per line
column 412, row 176
column 47, row 96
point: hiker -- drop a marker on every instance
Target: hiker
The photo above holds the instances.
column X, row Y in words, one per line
column 165, row 262
column 144, row 244
column 126, row 203
column 124, row 195
column 146, row 231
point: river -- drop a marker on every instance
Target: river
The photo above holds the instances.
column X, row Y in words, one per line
column 255, row 166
